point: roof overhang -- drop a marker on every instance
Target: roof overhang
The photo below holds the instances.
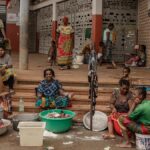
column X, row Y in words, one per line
column 44, row 4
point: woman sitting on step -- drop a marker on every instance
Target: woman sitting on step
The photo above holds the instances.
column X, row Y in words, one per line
column 6, row 69
column 50, row 93
column 120, row 104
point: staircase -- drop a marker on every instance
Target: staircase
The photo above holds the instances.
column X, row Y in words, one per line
column 80, row 102
column 25, row 88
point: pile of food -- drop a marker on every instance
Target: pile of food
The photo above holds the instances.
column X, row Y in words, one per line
column 1, row 124
column 57, row 115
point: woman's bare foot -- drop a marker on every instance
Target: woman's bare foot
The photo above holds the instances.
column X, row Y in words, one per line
column 124, row 145
column 70, row 95
column 108, row 136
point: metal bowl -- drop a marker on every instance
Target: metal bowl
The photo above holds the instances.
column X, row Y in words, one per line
column 99, row 121
column 4, row 129
column 23, row 117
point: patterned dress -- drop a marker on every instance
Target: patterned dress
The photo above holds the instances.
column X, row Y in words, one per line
column 65, row 45
column 50, row 95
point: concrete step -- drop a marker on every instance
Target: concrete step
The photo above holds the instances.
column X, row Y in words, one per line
column 70, row 81
column 77, row 99
column 74, row 89
column 30, row 107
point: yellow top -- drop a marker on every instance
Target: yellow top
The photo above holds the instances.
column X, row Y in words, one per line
column 65, row 29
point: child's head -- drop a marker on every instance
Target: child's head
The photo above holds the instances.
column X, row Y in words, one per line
column 111, row 26
column 126, row 71
column 140, row 93
column 86, row 49
column 2, row 51
column 53, row 42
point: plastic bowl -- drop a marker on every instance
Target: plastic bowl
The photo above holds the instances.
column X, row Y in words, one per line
column 23, row 117
column 57, row 125
column 4, row 129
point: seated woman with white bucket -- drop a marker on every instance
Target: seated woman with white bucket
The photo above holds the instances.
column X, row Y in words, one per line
column 138, row 119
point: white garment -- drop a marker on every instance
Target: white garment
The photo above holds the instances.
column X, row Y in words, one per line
column 105, row 35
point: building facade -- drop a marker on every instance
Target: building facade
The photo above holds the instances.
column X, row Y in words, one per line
column 130, row 18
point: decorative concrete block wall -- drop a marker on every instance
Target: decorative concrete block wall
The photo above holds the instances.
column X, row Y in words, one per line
column 144, row 26
column 123, row 14
column 44, row 26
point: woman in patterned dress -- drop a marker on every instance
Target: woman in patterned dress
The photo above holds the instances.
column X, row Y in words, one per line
column 50, row 93
column 65, row 45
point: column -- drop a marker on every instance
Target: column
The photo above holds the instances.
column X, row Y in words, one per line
column 24, row 35
column 97, row 22
column 54, row 22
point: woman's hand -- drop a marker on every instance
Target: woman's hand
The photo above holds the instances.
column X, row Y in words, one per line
column 136, row 101
column 114, row 110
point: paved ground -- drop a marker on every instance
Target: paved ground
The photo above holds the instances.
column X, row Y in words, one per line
column 38, row 62
column 78, row 138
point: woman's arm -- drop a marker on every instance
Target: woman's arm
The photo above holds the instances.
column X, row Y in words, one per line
column 112, row 102
column 132, row 105
column 3, row 32
column 63, row 93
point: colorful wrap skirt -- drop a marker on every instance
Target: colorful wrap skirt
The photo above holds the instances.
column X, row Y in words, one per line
column 49, row 102
column 64, row 52
column 8, row 72
column 113, row 117
column 133, row 126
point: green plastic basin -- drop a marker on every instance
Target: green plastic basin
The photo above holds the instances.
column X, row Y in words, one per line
column 57, row 125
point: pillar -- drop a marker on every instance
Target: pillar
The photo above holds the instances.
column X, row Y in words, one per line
column 97, row 22
column 54, row 22
column 24, row 34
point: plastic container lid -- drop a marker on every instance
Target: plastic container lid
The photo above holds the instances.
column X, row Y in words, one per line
column 100, row 121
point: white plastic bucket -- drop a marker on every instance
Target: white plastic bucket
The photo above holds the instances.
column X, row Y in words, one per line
column 142, row 142
column 79, row 59
column 31, row 133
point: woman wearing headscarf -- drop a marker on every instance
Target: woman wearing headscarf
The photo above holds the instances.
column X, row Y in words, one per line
column 65, row 45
